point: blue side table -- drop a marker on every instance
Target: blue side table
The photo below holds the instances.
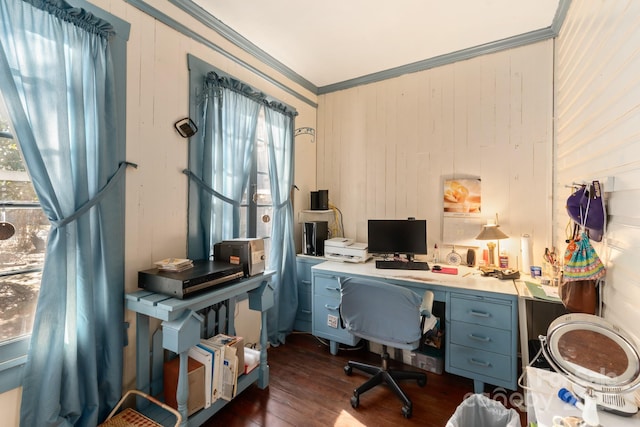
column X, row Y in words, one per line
column 181, row 330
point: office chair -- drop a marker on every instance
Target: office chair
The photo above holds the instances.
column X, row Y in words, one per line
column 389, row 315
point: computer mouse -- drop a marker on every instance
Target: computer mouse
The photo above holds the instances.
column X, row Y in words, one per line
column 436, row 268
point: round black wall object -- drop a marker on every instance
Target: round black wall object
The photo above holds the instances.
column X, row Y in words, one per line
column 186, row 127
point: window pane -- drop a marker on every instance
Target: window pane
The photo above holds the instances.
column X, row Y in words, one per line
column 260, row 192
column 23, row 232
column 18, row 298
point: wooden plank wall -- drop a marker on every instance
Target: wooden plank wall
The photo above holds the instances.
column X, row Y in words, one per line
column 385, row 148
column 598, row 135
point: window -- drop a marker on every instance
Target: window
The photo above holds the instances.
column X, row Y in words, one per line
column 23, row 232
column 257, row 205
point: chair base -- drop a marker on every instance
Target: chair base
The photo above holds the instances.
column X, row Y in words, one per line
column 390, row 377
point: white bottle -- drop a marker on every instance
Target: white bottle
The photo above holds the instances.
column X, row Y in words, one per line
column 436, row 253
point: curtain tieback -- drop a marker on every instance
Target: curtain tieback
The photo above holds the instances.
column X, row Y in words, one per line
column 96, row 199
column 210, row 190
column 214, row 193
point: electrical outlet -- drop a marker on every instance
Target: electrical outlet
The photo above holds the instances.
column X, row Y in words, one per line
column 332, row 321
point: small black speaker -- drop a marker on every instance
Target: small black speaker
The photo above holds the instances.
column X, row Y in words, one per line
column 315, row 201
column 471, row 257
column 323, row 200
column 320, row 200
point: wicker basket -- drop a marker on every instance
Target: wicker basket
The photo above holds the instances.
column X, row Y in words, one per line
column 132, row 418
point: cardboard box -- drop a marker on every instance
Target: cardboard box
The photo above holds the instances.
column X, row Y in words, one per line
column 430, row 359
column 195, row 378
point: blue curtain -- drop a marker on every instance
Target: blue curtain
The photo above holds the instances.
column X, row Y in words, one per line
column 282, row 258
column 220, row 160
column 56, row 74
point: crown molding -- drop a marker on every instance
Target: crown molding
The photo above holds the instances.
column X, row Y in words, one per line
column 238, row 40
column 181, row 28
column 448, row 58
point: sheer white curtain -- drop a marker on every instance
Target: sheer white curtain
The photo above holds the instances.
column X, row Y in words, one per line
column 220, row 159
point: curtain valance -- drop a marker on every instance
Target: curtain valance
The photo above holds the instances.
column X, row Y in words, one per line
column 214, row 80
column 75, row 15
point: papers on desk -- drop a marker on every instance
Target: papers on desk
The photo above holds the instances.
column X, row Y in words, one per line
column 430, row 323
column 174, row 264
column 544, row 292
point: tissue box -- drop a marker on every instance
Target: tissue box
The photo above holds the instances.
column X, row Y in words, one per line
column 251, row 359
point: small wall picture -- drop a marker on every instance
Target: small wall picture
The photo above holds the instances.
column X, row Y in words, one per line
column 462, row 197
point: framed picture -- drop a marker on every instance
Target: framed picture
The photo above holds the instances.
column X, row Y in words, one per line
column 461, row 197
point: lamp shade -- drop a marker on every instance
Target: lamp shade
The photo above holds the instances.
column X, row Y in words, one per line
column 491, row 232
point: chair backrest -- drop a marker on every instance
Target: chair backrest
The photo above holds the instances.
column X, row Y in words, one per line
column 381, row 312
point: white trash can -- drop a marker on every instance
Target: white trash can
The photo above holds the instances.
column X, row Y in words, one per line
column 480, row 411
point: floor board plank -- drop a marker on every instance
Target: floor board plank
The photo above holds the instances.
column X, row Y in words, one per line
column 308, row 387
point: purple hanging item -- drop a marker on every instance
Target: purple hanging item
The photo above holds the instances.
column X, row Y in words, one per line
column 586, row 207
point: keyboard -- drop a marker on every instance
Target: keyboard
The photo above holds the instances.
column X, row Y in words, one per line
column 401, row 265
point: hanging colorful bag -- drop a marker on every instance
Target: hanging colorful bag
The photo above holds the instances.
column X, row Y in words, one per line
column 581, row 261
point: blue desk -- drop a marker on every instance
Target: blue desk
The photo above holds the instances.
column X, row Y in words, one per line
column 481, row 316
column 173, row 311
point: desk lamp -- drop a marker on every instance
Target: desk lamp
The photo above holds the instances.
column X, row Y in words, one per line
column 491, row 231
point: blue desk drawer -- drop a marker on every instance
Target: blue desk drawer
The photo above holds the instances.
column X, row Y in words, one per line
column 481, row 337
column 481, row 362
column 304, row 297
column 326, row 285
column 482, row 311
column 326, row 320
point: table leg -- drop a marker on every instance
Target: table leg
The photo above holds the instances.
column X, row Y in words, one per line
column 143, row 357
column 182, row 391
column 263, row 374
column 333, row 347
column 524, row 332
column 231, row 324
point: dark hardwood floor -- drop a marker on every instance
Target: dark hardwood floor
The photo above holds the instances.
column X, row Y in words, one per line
column 308, row 387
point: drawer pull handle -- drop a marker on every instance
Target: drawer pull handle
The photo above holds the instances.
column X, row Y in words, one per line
column 305, row 311
column 329, row 288
column 329, row 307
column 306, row 282
column 479, row 313
column 479, row 338
column 479, row 363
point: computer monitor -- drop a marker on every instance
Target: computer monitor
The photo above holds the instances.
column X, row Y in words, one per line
column 397, row 237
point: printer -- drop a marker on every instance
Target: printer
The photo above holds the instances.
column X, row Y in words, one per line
column 249, row 253
column 343, row 249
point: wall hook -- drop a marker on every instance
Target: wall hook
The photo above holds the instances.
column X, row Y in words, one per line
column 306, row 131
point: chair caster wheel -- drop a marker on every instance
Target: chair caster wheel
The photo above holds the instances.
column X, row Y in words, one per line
column 355, row 401
column 422, row 382
column 348, row 370
column 406, row 411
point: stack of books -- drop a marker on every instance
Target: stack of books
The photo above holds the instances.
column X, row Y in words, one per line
column 174, row 264
column 223, row 360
